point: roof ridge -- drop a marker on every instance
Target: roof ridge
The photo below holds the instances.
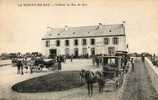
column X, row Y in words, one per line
column 110, row 29
column 87, row 26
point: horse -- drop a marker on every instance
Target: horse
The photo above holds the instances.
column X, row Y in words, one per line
column 90, row 80
column 82, row 75
column 100, row 80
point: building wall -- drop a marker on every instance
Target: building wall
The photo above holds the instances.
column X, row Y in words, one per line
column 100, row 47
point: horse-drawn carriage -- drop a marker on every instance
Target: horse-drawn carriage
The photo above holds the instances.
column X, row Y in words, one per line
column 113, row 71
column 39, row 64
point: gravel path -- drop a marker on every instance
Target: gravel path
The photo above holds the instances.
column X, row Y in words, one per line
column 9, row 77
column 139, row 84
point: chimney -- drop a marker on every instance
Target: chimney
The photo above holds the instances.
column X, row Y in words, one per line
column 99, row 23
column 123, row 24
column 99, row 26
column 66, row 27
column 49, row 29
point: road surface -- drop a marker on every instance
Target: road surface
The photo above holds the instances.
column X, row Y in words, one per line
column 139, row 84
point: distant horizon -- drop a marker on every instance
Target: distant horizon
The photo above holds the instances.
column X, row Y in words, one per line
column 23, row 27
column 42, row 53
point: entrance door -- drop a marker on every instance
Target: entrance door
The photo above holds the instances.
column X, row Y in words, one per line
column 84, row 51
column 76, row 52
column 111, row 50
column 52, row 53
column 92, row 51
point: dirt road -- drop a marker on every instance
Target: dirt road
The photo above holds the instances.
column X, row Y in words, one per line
column 139, row 84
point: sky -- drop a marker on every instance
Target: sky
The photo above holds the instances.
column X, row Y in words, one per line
column 22, row 27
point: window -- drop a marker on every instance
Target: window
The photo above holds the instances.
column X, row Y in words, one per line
column 84, row 42
column 58, row 43
column 92, row 41
column 76, row 42
column 115, row 40
column 110, row 61
column 47, row 43
column 66, row 42
column 106, row 41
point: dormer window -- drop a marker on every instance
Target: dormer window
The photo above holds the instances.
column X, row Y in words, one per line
column 49, row 34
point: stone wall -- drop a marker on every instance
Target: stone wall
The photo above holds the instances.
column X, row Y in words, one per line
column 153, row 72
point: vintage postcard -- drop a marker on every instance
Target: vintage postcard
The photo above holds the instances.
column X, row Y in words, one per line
column 78, row 50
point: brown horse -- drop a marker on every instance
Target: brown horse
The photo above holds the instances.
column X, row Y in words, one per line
column 100, row 80
column 90, row 80
column 82, row 75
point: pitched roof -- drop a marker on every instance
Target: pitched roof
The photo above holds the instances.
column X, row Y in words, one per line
column 84, row 31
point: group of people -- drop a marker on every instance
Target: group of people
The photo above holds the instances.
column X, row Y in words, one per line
column 97, row 60
column 19, row 65
column 23, row 63
column 36, row 63
column 60, row 59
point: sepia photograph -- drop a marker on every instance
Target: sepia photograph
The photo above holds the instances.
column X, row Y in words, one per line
column 78, row 50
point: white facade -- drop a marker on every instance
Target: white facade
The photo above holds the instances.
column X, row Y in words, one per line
column 100, row 47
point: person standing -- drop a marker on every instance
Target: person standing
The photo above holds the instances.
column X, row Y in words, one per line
column 93, row 60
column 132, row 62
column 64, row 59
column 22, row 66
column 18, row 66
column 143, row 58
column 97, row 61
column 71, row 57
column 59, row 63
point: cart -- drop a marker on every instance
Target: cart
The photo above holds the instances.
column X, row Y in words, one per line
column 112, row 71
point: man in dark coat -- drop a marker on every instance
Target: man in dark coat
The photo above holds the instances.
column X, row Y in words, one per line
column 132, row 62
column 71, row 57
column 59, row 63
column 18, row 66
column 93, row 60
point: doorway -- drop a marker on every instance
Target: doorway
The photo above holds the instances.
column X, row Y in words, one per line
column 92, row 51
column 76, row 52
column 52, row 53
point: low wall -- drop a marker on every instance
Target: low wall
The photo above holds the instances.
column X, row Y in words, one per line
column 5, row 62
column 153, row 72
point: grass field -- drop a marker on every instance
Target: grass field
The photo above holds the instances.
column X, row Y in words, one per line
column 58, row 81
